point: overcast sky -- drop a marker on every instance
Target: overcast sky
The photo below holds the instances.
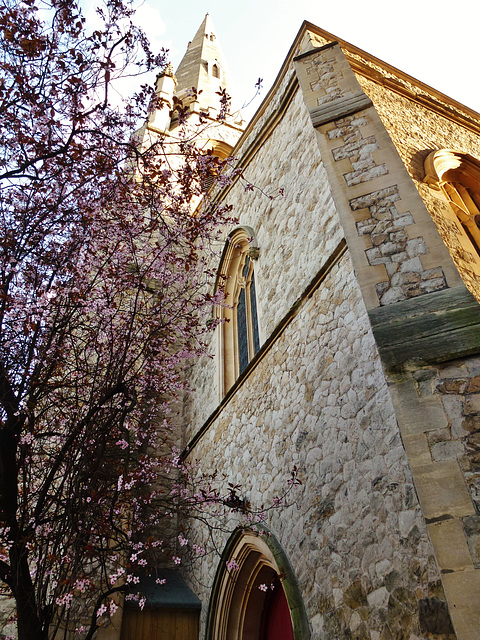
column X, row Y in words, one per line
column 434, row 41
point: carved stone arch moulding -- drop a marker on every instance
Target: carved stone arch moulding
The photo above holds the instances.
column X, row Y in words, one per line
column 239, row 336
column 255, row 593
column 219, row 148
column 243, row 234
column 445, row 164
column 456, row 178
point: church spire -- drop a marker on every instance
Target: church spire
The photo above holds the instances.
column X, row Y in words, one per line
column 202, row 67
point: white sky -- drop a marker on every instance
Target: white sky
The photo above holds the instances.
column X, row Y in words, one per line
column 436, row 42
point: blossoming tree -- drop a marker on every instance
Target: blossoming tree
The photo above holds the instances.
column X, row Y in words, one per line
column 102, row 287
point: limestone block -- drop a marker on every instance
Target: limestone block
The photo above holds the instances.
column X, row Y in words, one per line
column 415, row 414
column 463, row 594
column 472, row 404
column 378, row 598
column 442, row 491
column 471, row 526
column 447, row 450
column 406, row 521
column 416, row 446
column 450, row 545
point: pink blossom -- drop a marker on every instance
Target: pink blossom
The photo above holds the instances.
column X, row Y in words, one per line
column 101, row 610
column 107, row 280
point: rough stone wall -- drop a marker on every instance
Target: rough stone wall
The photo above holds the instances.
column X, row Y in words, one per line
column 443, row 216
column 457, row 384
column 391, row 246
column 415, row 129
column 395, row 249
column 438, row 407
column 8, row 627
column 296, row 232
column 381, row 221
column 419, row 121
column 354, row 534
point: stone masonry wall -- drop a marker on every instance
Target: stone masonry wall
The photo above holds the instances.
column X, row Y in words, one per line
column 387, row 227
column 354, row 534
column 438, row 411
column 8, row 627
column 296, row 233
column 416, row 131
column 438, row 407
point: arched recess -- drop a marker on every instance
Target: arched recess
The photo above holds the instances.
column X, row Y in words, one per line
column 220, row 150
column 457, row 177
column 240, row 608
column 239, row 336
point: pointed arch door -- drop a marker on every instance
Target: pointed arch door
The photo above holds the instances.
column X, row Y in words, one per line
column 276, row 620
column 249, row 602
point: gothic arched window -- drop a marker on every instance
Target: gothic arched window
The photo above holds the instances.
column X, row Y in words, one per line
column 457, row 177
column 216, row 71
column 239, row 329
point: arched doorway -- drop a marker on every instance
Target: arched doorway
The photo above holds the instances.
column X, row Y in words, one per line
column 276, row 622
column 255, row 597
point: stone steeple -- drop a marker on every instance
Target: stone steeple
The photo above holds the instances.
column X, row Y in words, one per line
column 203, row 68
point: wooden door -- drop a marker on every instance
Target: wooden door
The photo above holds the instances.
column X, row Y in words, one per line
column 159, row 624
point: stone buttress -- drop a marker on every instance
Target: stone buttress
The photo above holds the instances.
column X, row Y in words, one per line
column 425, row 322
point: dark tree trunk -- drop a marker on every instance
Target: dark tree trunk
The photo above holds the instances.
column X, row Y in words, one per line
column 28, row 622
column 19, row 579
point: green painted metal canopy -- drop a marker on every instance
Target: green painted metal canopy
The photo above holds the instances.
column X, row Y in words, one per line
column 173, row 594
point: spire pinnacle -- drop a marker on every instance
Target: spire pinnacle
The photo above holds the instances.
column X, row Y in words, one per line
column 203, row 67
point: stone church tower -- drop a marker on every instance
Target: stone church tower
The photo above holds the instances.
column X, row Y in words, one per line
column 200, row 78
column 351, row 352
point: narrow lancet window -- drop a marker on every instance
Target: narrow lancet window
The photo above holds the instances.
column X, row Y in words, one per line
column 239, row 328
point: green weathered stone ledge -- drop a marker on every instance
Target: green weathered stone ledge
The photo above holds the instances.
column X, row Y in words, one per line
column 428, row 329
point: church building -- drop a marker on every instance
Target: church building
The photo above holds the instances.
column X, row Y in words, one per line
column 349, row 352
